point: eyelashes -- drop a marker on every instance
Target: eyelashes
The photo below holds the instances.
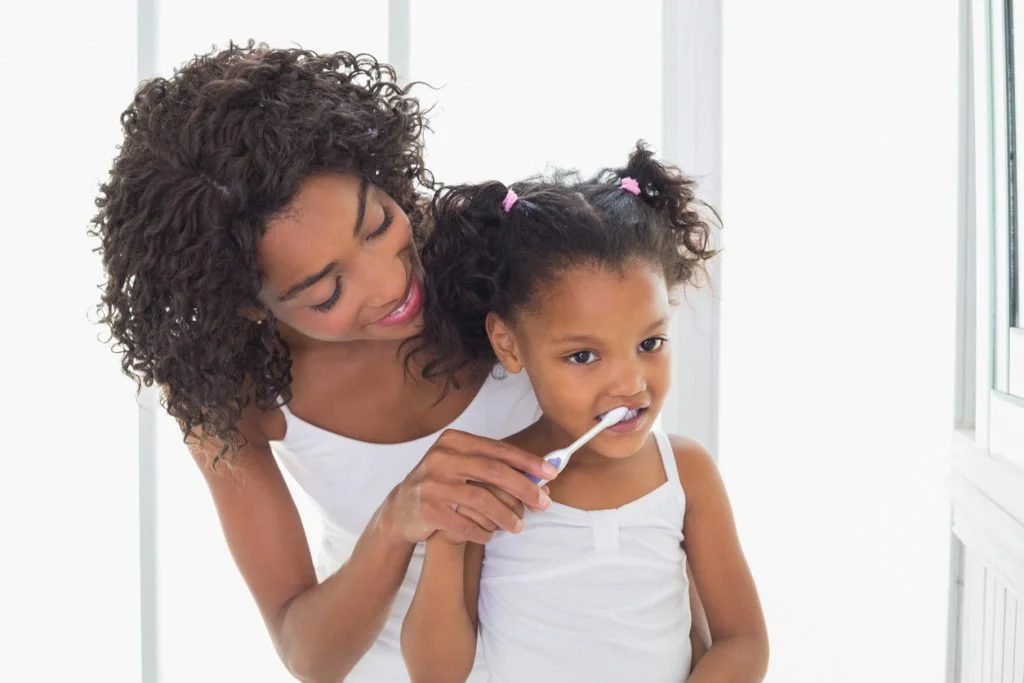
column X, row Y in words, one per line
column 586, row 357
column 331, row 300
column 327, row 305
column 389, row 218
column 653, row 344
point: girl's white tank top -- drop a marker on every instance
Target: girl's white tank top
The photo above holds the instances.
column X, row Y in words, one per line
column 591, row 595
column 348, row 480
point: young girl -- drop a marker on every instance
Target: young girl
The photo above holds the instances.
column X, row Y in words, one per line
column 572, row 284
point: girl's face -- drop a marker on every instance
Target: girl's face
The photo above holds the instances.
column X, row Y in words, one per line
column 595, row 340
column 339, row 264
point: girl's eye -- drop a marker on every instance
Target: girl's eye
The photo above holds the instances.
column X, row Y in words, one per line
column 385, row 224
column 653, row 344
column 582, row 357
column 333, row 299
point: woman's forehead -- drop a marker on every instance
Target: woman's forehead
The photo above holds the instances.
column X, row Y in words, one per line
column 314, row 227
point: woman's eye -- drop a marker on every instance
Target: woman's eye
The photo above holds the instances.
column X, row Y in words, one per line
column 582, row 357
column 333, row 299
column 653, row 344
column 385, row 224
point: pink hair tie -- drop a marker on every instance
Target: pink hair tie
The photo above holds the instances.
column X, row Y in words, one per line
column 509, row 200
column 630, row 185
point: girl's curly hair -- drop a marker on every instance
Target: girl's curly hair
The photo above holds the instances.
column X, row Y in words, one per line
column 209, row 156
column 480, row 258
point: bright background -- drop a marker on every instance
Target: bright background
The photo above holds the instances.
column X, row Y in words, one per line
column 833, row 318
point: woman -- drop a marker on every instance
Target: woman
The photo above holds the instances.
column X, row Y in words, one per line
column 258, row 231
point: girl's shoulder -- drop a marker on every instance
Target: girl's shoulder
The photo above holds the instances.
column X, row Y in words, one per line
column 695, row 464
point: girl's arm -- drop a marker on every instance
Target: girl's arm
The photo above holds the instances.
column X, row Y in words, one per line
column 700, row 636
column 440, row 629
column 739, row 639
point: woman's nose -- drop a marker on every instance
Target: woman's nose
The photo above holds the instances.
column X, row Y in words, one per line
column 385, row 284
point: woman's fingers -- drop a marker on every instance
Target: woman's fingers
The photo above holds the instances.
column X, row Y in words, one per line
column 470, row 486
column 501, row 476
column 461, row 527
column 500, row 451
column 508, row 499
column 485, row 504
column 478, row 519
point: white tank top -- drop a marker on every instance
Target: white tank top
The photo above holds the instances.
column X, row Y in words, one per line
column 591, row 595
column 349, row 479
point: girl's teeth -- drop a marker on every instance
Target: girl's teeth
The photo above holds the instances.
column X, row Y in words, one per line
column 632, row 414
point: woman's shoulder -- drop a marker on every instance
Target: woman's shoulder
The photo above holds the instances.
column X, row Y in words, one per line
column 511, row 389
column 252, row 434
column 506, row 404
column 512, row 383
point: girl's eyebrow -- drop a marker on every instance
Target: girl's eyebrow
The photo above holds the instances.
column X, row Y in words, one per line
column 587, row 339
column 656, row 324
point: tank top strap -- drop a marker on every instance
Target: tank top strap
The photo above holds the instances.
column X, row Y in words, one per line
column 292, row 425
column 668, row 461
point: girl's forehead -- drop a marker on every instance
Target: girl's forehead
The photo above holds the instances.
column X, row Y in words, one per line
column 587, row 292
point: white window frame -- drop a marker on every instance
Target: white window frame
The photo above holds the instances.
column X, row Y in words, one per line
column 692, row 138
column 998, row 415
column 1010, row 333
column 988, row 448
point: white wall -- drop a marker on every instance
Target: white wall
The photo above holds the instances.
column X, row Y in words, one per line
column 69, row 555
column 839, row 199
column 522, row 86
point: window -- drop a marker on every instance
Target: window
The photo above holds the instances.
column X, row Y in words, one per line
column 999, row 230
column 1011, row 297
column 987, row 508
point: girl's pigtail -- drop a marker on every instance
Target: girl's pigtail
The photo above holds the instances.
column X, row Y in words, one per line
column 670, row 193
column 462, row 269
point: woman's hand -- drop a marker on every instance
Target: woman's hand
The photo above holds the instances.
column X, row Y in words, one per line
column 468, row 487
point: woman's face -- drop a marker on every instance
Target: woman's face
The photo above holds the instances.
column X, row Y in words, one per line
column 339, row 264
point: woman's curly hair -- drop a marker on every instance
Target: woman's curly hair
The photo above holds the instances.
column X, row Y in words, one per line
column 209, row 156
column 480, row 258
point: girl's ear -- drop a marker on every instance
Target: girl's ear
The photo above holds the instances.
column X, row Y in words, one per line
column 503, row 341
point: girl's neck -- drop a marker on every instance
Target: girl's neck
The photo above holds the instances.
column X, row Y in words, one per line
column 592, row 481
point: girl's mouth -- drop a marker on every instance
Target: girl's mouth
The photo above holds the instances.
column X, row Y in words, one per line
column 630, row 422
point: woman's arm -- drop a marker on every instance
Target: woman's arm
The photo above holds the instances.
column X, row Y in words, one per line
column 319, row 631
column 739, row 639
column 439, row 632
column 322, row 630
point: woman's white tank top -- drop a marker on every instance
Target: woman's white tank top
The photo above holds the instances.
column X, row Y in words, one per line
column 349, row 479
column 591, row 596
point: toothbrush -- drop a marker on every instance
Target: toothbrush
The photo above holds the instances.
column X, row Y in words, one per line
column 559, row 457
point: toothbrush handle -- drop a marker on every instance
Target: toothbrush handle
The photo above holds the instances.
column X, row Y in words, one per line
column 555, row 460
